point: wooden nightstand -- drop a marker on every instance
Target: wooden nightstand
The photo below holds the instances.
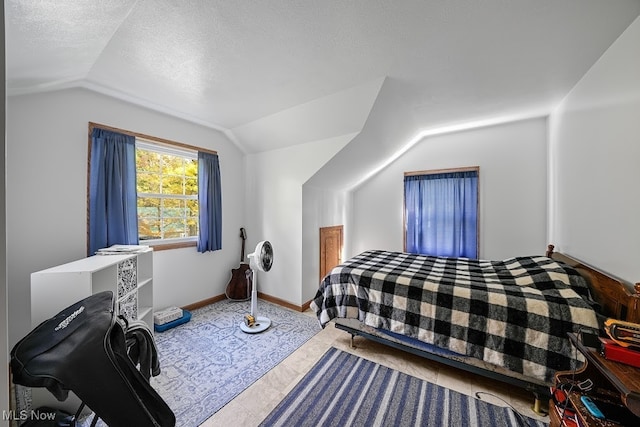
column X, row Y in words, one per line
column 613, row 382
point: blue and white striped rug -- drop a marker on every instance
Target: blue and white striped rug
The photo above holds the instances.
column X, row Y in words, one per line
column 346, row 390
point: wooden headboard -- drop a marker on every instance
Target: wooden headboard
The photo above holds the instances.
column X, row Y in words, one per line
column 618, row 299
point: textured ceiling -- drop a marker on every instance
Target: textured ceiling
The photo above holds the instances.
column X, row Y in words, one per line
column 234, row 64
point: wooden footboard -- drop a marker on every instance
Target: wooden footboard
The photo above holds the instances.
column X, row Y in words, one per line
column 619, row 299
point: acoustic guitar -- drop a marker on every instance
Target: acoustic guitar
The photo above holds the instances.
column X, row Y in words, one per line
column 239, row 287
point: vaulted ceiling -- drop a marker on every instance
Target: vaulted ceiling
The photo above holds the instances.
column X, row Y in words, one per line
column 281, row 72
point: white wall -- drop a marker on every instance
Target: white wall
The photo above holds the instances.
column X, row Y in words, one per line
column 512, row 160
column 327, row 195
column 47, row 140
column 340, row 113
column 4, row 330
column 594, row 150
column 275, row 211
column 390, row 123
column 321, row 208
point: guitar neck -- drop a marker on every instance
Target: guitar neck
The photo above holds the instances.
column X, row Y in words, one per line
column 243, row 236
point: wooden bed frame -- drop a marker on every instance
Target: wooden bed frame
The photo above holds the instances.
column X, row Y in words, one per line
column 617, row 298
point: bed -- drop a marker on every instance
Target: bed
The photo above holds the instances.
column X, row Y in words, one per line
column 506, row 319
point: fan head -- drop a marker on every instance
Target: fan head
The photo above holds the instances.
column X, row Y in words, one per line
column 262, row 257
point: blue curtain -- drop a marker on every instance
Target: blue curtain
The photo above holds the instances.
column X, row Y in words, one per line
column 441, row 214
column 113, row 216
column 210, row 201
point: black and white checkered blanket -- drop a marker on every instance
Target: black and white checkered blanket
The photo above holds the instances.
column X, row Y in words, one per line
column 513, row 313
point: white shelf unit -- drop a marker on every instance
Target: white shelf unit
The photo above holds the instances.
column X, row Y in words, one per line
column 128, row 276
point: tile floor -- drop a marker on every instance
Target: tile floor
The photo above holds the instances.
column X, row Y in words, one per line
column 257, row 401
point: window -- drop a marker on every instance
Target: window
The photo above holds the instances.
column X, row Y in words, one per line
column 150, row 190
column 167, row 188
column 441, row 212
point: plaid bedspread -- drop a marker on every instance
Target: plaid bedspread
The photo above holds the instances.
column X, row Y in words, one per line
column 513, row 313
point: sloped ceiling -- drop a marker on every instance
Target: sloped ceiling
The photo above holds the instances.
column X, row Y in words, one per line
column 264, row 71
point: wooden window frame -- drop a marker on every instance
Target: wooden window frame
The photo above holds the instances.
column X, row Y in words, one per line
column 155, row 140
column 435, row 172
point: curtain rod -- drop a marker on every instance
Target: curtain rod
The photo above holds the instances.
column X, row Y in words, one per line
column 436, row 171
column 149, row 137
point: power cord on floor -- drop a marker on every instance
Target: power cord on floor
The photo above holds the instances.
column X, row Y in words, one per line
column 522, row 421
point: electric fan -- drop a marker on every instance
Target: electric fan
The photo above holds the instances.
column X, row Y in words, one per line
column 261, row 259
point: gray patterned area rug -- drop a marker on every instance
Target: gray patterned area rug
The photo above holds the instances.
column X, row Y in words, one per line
column 346, row 390
column 208, row 361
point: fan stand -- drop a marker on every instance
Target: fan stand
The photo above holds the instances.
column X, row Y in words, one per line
column 260, row 324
